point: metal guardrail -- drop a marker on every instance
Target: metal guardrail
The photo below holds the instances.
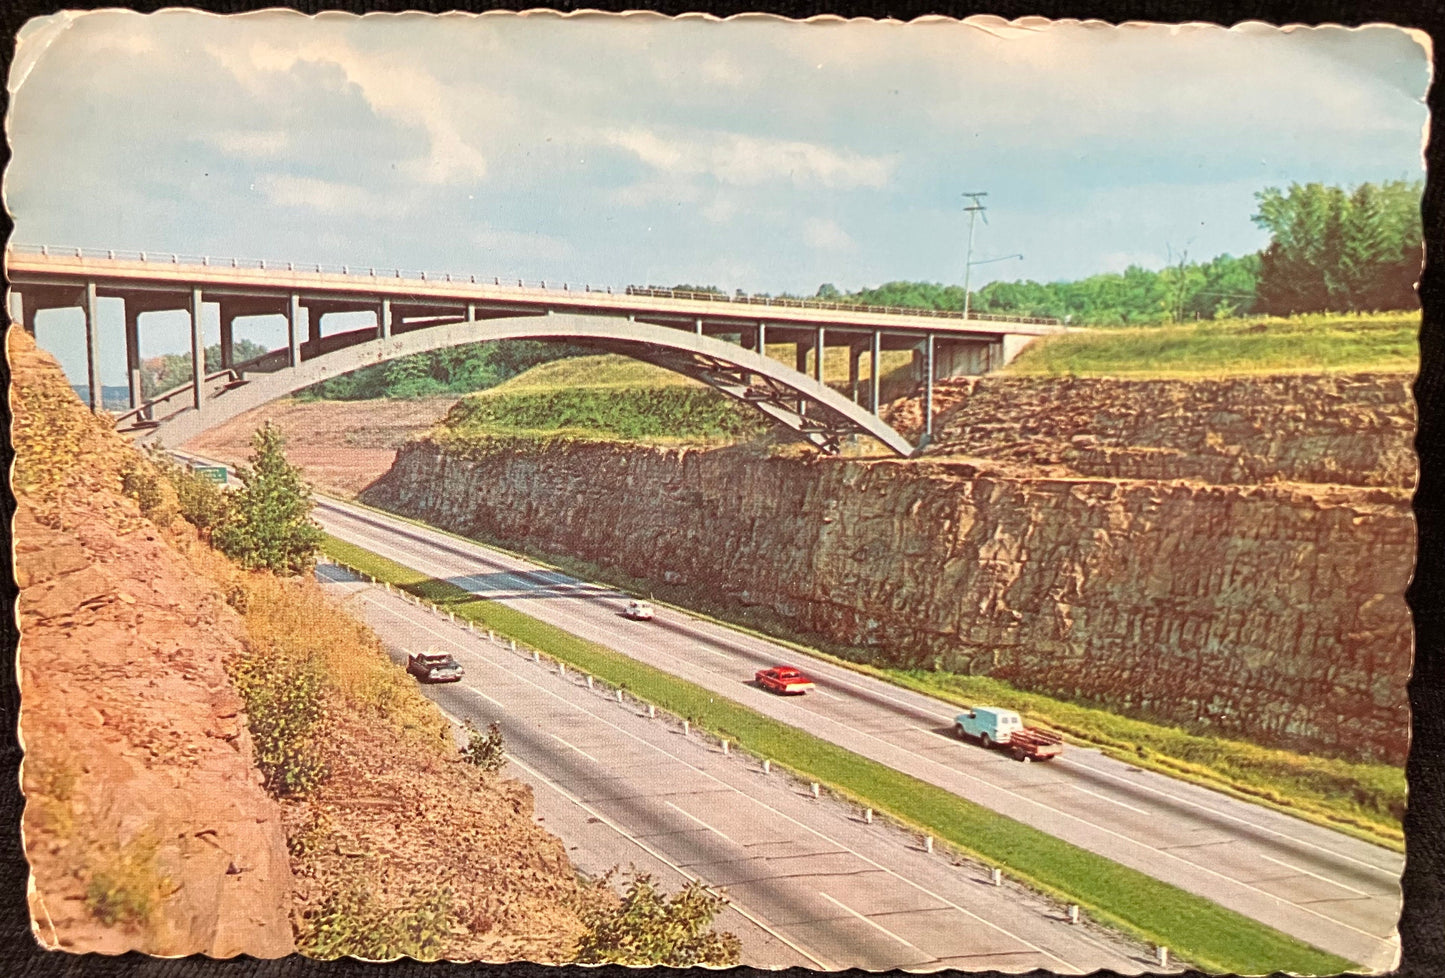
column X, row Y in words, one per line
column 402, row 274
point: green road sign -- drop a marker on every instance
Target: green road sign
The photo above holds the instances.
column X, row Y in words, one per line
column 216, row 473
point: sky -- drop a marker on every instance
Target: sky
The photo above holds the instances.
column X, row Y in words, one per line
column 756, row 154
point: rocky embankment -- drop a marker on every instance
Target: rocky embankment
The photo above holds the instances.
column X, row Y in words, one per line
column 1095, row 547
column 146, row 823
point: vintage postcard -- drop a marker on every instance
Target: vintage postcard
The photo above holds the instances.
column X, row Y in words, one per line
column 673, row 491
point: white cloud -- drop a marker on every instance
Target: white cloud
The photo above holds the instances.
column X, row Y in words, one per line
column 750, row 161
column 250, row 144
column 322, row 196
column 402, row 92
column 826, row 234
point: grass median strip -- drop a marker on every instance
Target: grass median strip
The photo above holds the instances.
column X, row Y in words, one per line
column 1204, row 932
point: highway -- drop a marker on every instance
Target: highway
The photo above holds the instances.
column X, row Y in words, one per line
column 1336, row 892
column 811, row 883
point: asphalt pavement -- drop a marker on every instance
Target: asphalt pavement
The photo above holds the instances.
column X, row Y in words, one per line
column 810, row 881
column 1321, row 886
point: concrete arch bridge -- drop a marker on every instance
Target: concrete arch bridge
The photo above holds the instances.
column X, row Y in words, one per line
column 714, row 338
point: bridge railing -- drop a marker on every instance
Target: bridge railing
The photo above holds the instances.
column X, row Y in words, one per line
column 404, row 274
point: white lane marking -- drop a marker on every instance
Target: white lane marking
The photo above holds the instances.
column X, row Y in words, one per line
column 421, row 625
column 1112, row 801
column 1273, row 898
column 698, row 821
column 840, row 677
column 576, row 748
column 1393, row 874
column 746, row 914
column 870, row 922
column 822, row 693
column 1297, row 869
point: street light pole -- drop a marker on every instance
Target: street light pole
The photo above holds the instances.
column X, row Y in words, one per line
column 974, row 209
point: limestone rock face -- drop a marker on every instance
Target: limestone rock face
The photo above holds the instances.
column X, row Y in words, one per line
column 1263, row 608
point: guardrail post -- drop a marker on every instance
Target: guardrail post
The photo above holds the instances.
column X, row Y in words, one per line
column 651, row 711
column 995, row 876
column 562, row 669
column 868, row 816
column 928, row 843
column 725, row 747
column 1073, row 913
column 1162, row 956
column 489, row 635
column 686, row 728
column 817, row 791
column 619, row 696
column 589, row 682
column 767, row 766
column 535, row 656
column 514, row 645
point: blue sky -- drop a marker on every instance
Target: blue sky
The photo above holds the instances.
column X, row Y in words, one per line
column 755, row 153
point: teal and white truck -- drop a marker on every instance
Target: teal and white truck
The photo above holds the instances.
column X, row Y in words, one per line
column 991, row 726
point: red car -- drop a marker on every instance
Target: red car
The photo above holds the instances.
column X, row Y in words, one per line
column 783, row 679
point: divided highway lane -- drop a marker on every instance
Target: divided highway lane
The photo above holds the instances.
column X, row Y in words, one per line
column 1331, row 890
column 810, row 883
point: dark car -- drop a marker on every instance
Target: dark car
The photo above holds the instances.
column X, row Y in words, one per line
column 434, row 667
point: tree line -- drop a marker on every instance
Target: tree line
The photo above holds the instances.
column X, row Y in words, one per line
column 1330, row 250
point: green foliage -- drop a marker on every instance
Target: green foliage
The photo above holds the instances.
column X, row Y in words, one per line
column 353, row 922
column 144, row 482
column 1216, row 347
column 486, row 750
column 127, row 886
column 171, row 370
column 456, row 370
column 1213, row 936
column 285, row 697
column 610, row 396
column 1332, row 249
column 269, row 524
column 200, row 501
column 650, row 928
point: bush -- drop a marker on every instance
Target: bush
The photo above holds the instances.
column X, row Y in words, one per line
column 285, row 712
column 127, row 887
column 649, row 928
column 352, row 922
column 269, row 523
column 485, row 750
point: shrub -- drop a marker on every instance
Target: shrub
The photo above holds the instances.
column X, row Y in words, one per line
column 203, row 503
column 486, row 750
column 126, row 887
column 650, row 928
column 353, row 922
column 269, row 524
column 146, row 484
column 285, row 712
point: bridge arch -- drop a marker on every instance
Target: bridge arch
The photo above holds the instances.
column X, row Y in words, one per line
column 806, row 406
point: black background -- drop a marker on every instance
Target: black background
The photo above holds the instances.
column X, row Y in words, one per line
column 1422, row 925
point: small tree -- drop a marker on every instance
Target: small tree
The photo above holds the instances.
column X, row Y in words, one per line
column 486, row 750
column 270, row 523
column 650, row 928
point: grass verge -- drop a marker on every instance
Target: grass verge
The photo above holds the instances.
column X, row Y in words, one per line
column 1370, row 341
column 1211, row 936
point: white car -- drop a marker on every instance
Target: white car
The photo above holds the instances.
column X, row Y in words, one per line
column 638, row 610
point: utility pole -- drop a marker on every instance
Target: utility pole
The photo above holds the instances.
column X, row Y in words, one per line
column 974, row 210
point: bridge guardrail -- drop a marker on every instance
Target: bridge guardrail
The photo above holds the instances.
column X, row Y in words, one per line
column 403, row 274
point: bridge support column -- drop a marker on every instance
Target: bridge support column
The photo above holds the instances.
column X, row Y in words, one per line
column 854, row 353
column 818, row 355
column 762, row 339
column 383, row 319
column 15, row 305
column 92, row 349
column 293, row 329
column 313, row 332
column 800, row 358
column 928, row 389
column 228, row 344
column 198, row 351
column 132, row 353
column 875, row 354
column 697, row 326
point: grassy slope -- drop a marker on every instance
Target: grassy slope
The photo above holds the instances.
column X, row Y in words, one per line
column 616, row 397
column 1305, row 344
column 1210, row 935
